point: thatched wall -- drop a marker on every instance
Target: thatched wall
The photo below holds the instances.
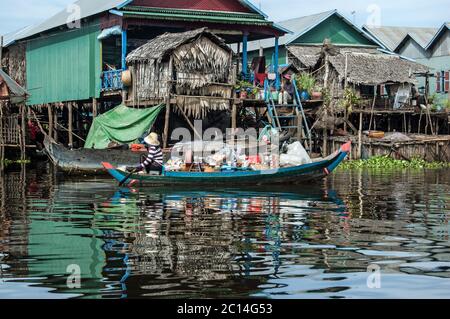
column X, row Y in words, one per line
column 14, row 63
column 201, row 74
column 150, row 80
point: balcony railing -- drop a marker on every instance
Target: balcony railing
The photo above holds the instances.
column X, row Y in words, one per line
column 112, row 80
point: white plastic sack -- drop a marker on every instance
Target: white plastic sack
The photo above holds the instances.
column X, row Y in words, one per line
column 296, row 155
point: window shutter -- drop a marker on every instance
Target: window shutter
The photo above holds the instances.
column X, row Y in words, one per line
column 446, row 81
column 438, row 82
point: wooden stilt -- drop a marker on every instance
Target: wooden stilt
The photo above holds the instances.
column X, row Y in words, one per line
column 70, row 123
column 2, row 142
column 166, row 124
column 325, row 141
column 360, row 135
column 55, row 124
column 168, row 110
column 23, row 141
column 94, row 108
column 50, row 120
column 409, row 124
column 234, row 117
column 420, row 121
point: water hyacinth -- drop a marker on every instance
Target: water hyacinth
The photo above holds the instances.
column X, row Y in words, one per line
column 384, row 162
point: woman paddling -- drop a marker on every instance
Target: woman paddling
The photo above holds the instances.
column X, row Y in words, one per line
column 154, row 159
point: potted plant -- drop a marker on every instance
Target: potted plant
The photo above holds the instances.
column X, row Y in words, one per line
column 349, row 100
column 306, row 83
column 316, row 93
column 244, row 88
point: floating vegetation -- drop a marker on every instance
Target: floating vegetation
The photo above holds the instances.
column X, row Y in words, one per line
column 384, row 162
column 8, row 162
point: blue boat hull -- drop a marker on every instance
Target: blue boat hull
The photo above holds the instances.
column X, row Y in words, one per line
column 289, row 175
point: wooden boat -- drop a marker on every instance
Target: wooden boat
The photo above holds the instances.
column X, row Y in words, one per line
column 288, row 175
column 87, row 161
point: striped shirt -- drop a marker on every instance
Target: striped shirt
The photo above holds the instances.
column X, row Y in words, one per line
column 155, row 156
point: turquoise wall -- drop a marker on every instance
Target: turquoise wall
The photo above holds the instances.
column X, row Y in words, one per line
column 282, row 55
column 65, row 66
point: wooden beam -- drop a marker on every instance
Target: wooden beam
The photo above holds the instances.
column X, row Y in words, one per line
column 189, row 122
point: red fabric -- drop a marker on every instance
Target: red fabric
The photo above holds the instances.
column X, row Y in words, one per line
column 260, row 78
column 254, row 159
column 446, row 82
column 33, row 129
column 438, row 82
column 214, row 5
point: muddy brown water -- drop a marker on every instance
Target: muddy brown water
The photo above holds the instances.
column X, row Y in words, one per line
column 358, row 234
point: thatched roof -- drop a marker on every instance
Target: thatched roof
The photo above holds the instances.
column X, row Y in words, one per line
column 15, row 93
column 306, row 55
column 375, row 69
column 309, row 55
column 163, row 45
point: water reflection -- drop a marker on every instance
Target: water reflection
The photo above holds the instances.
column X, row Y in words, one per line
column 289, row 242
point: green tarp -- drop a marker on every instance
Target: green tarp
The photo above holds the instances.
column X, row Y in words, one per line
column 122, row 124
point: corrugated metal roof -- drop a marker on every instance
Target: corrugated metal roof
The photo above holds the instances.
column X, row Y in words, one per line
column 11, row 37
column 441, row 30
column 391, row 37
column 87, row 8
column 298, row 26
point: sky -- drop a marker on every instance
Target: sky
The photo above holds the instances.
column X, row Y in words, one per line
column 16, row 14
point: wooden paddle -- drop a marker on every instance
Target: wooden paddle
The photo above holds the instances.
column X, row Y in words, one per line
column 127, row 177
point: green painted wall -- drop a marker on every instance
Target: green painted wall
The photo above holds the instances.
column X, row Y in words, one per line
column 335, row 29
column 282, row 55
column 65, row 66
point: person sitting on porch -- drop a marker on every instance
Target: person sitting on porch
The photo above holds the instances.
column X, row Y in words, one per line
column 287, row 90
column 154, row 159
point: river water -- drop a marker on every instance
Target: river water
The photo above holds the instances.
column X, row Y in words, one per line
column 358, row 234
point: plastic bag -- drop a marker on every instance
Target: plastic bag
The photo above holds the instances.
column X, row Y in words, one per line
column 295, row 156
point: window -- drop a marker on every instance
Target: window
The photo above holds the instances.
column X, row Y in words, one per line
column 446, row 81
column 443, row 82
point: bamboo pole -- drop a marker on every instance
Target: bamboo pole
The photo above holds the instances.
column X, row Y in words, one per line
column 189, row 122
column 70, row 123
column 360, row 136
column 23, row 154
column 55, row 124
column 2, row 146
column 167, row 117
